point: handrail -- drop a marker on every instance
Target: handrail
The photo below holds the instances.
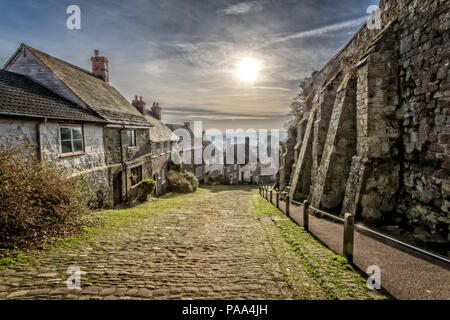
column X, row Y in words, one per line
column 329, row 215
column 333, row 217
column 359, row 227
column 425, row 252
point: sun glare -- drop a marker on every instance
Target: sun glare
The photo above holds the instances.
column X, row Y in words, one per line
column 248, row 69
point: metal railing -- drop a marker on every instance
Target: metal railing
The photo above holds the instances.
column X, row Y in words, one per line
column 348, row 221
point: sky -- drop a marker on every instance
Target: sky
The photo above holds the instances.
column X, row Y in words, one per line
column 185, row 54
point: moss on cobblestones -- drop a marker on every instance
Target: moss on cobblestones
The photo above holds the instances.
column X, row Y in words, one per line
column 108, row 220
column 332, row 272
column 13, row 258
column 207, row 245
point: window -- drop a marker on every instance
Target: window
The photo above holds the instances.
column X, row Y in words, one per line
column 131, row 138
column 71, row 139
column 154, row 149
column 163, row 176
column 136, row 175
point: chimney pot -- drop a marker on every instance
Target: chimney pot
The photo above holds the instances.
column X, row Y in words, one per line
column 96, row 53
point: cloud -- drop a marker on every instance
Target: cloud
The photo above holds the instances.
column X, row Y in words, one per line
column 348, row 24
column 272, row 88
column 242, row 8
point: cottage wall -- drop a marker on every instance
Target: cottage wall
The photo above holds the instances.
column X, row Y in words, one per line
column 46, row 135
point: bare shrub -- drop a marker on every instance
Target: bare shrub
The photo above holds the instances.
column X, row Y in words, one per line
column 178, row 182
column 35, row 196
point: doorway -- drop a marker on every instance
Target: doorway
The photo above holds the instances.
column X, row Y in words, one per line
column 117, row 188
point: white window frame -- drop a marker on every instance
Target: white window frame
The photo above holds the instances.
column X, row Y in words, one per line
column 72, row 153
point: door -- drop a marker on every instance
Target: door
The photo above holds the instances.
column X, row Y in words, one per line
column 156, row 191
column 117, row 188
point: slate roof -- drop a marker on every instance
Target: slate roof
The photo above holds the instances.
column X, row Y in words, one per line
column 100, row 96
column 22, row 97
column 159, row 132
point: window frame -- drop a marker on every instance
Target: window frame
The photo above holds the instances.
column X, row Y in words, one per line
column 136, row 182
column 76, row 153
column 134, row 134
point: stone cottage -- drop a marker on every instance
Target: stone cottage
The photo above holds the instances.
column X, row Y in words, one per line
column 371, row 134
column 52, row 128
column 116, row 153
column 162, row 141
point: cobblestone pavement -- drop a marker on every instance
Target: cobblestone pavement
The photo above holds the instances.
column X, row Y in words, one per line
column 220, row 243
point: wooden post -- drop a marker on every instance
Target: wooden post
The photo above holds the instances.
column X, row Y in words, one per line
column 271, row 193
column 288, row 205
column 306, row 215
column 348, row 236
column 259, row 189
column 278, row 200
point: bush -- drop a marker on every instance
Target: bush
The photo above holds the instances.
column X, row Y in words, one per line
column 35, row 196
column 220, row 180
column 146, row 188
column 192, row 180
column 178, row 182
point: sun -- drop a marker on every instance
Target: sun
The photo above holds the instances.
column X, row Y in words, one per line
column 248, row 69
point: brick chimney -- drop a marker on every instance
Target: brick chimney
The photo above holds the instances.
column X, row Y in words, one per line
column 139, row 104
column 100, row 67
column 156, row 111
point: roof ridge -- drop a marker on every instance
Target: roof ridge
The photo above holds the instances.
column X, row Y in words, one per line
column 60, row 60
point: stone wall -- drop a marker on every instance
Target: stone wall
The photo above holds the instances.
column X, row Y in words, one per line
column 44, row 139
column 380, row 127
column 18, row 132
column 158, row 164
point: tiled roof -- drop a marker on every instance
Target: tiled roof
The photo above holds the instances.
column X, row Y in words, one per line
column 94, row 92
column 23, row 97
column 159, row 132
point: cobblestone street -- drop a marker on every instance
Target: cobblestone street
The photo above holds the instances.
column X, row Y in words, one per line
column 219, row 243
